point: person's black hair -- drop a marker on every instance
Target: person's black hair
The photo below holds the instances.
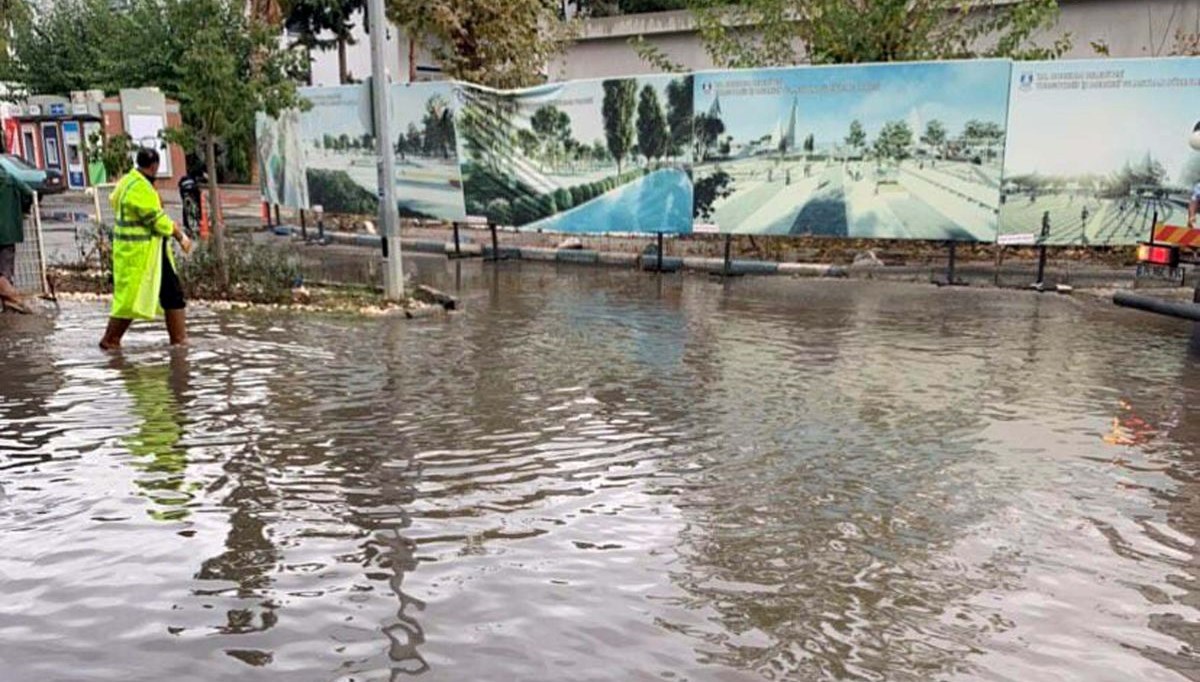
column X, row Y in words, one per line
column 146, row 157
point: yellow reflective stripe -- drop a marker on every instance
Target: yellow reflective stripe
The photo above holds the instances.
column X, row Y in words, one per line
column 139, row 226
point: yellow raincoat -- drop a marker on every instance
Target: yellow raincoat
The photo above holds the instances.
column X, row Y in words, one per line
column 141, row 227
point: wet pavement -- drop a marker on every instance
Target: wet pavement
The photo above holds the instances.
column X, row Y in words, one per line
column 593, row 474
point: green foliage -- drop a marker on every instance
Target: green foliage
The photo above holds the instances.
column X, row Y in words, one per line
column 708, row 189
column 707, row 130
column 337, row 193
column 260, row 274
column 438, row 136
column 579, row 195
column 498, row 212
column 116, row 153
column 654, row 55
column 525, row 210
column 547, row 205
column 809, row 144
column 617, row 112
column 848, row 31
column 894, row 141
column 679, row 113
column 857, row 137
column 322, row 24
column 1147, row 173
column 562, row 199
column 935, row 134
column 554, row 128
column 498, row 43
column 654, row 139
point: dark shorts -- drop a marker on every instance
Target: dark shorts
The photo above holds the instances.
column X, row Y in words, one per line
column 170, row 291
column 8, row 261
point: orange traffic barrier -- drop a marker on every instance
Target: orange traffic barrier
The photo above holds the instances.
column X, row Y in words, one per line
column 1178, row 235
column 203, row 217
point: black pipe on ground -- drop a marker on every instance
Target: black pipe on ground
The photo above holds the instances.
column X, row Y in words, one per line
column 1187, row 311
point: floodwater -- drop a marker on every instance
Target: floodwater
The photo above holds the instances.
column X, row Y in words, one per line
column 594, row 474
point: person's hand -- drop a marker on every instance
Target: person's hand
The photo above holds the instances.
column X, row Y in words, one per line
column 185, row 243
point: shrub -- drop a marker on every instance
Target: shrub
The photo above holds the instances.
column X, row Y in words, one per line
column 547, row 206
column 499, row 212
column 562, row 199
column 257, row 273
column 524, row 210
column 579, row 195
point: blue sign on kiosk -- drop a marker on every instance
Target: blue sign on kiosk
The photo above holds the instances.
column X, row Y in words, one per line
column 58, row 110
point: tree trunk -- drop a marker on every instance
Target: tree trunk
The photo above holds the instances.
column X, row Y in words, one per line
column 412, row 59
column 216, row 216
column 343, row 72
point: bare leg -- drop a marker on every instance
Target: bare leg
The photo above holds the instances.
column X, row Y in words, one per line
column 11, row 297
column 177, row 327
column 113, row 334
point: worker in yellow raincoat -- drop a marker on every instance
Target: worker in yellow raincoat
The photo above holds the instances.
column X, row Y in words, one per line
column 144, row 279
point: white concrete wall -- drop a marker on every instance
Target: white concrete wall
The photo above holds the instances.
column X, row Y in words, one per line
column 1130, row 28
column 358, row 59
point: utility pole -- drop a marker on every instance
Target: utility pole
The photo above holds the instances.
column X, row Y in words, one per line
column 389, row 219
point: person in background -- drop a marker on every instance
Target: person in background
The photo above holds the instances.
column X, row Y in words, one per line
column 15, row 199
column 189, row 194
column 144, row 279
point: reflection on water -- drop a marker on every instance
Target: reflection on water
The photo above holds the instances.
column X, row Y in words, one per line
column 595, row 474
column 157, row 392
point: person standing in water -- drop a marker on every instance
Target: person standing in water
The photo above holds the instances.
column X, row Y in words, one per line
column 14, row 197
column 145, row 283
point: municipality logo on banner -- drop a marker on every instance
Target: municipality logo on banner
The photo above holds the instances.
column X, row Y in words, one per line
column 1027, row 81
column 707, row 87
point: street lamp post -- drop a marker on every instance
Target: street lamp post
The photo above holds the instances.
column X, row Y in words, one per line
column 389, row 219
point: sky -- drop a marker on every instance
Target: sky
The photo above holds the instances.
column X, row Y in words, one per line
column 583, row 101
column 952, row 92
column 408, row 102
column 1077, row 132
column 336, row 110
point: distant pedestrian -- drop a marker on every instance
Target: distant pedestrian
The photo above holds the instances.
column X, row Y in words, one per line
column 1045, row 226
column 189, row 194
column 15, row 198
column 144, row 279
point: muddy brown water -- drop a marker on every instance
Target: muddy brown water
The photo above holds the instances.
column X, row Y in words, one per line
column 593, row 474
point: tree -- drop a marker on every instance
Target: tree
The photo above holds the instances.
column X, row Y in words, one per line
column 498, row 43
column 13, row 16
column 230, row 69
column 653, row 137
column 708, row 189
column 935, row 135
column 844, row 31
column 617, row 112
column 857, row 139
column 707, row 130
column 809, row 144
column 414, row 139
column 325, row 24
column 527, row 142
column 599, row 152
column 894, row 141
column 554, row 127
column 679, row 113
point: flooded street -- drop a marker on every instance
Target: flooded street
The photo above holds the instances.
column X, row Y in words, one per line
column 593, row 474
